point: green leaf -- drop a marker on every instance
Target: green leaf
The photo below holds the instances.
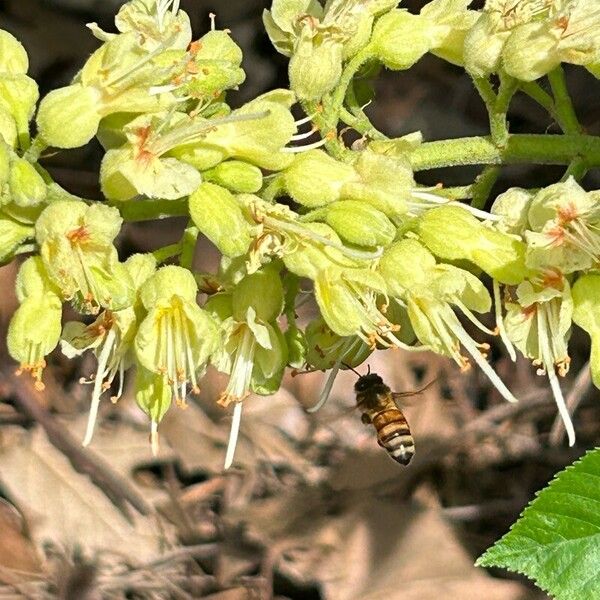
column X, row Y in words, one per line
column 556, row 542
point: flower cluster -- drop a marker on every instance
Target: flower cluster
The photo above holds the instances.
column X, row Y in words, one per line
column 388, row 262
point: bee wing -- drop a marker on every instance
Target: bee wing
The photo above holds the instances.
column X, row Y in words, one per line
column 400, row 395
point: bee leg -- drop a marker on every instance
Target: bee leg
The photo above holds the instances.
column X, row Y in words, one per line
column 365, row 418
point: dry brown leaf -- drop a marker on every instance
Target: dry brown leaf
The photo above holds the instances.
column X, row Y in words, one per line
column 18, row 558
column 126, row 449
column 66, row 508
column 234, row 594
column 389, row 552
column 270, row 430
column 198, row 442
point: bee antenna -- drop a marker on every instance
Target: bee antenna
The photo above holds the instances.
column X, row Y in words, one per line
column 352, row 369
column 368, row 369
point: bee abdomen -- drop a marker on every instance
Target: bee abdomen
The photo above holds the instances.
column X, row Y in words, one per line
column 393, row 434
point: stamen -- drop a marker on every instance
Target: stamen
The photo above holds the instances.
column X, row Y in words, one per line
column 469, row 314
column 554, row 383
column 298, row 149
column 326, row 391
column 435, row 199
column 306, row 119
column 97, row 392
column 500, row 323
column 233, row 435
column 154, row 443
column 471, row 348
column 302, row 136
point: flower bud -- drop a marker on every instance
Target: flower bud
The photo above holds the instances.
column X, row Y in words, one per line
column 237, row 176
column 219, row 217
column 315, row 178
column 263, row 291
column 27, row 188
column 315, row 67
column 13, row 58
column 400, row 39
column 385, row 182
column 69, row 117
column 404, row 265
column 19, row 95
column 8, row 128
column 513, row 207
column 358, row 35
column 452, row 233
column 12, row 235
column 357, row 223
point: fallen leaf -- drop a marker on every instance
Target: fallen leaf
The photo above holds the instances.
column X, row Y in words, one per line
column 66, row 508
column 126, row 449
column 19, row 560
column 234, row 594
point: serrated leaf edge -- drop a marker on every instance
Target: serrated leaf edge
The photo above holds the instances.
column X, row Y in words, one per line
column 481, row 561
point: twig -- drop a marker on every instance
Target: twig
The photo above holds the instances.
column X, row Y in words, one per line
column 502, row 412
column 198, row 551
column 581, row 386
column 116, row 488
column 485, row 510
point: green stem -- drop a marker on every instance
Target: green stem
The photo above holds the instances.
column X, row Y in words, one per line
column 361, row 124
column 462, row 192
column 519, row 149
column 562, row 100
column 327, row 131
column 337, row 99
column 576, row 169
column 166, row 252
column 566, row 113
column 535, row 91
column 149, row 210
column 483, row 185
column 497, row 105
column 188, row 245
column 35, row 149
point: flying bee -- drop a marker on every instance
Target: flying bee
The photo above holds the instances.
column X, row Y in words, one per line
column 379, row 408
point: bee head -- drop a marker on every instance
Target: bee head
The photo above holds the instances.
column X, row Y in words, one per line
column 367, row 381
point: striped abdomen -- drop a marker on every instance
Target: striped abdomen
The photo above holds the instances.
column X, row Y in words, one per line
column 393, row 434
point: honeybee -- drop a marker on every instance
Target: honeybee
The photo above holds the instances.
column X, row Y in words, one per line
column 378, row 405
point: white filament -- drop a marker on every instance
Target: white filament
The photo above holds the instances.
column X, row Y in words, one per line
column 233, row 435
